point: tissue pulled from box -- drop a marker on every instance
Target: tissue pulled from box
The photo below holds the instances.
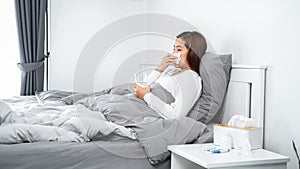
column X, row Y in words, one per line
column 241, row 121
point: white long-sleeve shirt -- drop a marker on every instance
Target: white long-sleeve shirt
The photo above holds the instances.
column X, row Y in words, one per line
column 185, row 87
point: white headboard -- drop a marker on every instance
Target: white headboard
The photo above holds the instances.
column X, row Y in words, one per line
column 246, row 93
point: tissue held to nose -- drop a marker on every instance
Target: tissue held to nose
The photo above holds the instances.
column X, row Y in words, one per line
column 178, row 55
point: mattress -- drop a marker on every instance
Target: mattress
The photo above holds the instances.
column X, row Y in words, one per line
column 93, row 155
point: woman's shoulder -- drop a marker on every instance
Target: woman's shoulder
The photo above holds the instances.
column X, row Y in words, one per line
column 196, row 77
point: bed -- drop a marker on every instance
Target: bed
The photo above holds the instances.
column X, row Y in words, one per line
column 242, row 94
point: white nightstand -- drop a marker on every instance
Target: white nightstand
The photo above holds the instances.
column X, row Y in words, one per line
column 192, row 156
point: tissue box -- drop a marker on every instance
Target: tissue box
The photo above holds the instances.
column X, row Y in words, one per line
column 239, row 135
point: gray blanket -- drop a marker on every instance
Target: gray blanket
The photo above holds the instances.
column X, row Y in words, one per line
column 124, row 113
column 55, row 122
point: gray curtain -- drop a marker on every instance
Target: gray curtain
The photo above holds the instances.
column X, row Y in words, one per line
column 30, row 16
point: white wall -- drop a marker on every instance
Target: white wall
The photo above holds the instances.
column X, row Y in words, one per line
column 73, row 24
column 260, row 32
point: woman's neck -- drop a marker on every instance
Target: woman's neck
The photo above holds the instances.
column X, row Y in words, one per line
column 185, row 68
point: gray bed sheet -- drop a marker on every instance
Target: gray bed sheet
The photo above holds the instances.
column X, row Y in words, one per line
column 121, row 154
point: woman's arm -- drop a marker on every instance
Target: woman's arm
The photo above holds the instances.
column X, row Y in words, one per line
column 167, row 111
column 179, row 108
column 172, row 110
column 165, row 62
column 187, row 95
column 141, row 91
column 153, row 76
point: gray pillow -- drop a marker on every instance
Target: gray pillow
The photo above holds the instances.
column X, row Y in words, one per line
column 215, row 74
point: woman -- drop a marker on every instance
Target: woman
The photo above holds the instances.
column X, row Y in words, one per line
column 184, row 83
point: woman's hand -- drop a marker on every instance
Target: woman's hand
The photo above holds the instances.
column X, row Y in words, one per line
column 166, row 61
column 141, row 91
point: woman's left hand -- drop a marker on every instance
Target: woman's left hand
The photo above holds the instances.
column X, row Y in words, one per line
column 141, row 91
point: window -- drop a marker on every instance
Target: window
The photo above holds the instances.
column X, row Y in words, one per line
column 10, row 75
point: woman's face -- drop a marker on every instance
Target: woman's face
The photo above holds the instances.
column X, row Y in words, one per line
column 179, row 47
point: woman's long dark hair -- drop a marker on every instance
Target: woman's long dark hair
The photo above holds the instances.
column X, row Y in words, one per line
column 195, row 42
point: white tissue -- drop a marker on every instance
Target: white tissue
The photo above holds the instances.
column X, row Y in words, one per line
column 241, row 121
column 178, row 57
